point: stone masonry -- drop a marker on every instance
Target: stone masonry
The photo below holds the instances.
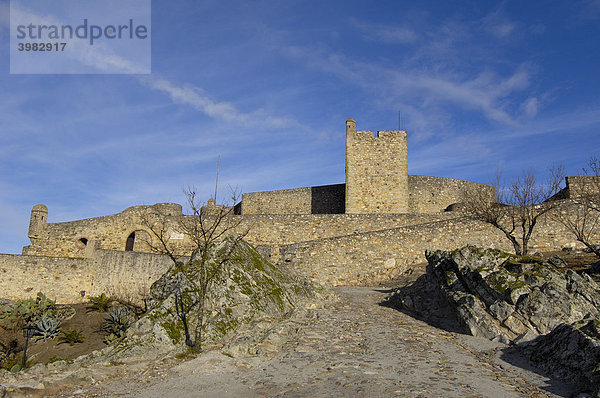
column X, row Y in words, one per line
column 376, row 171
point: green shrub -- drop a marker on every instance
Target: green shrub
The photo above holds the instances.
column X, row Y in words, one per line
column 27, row 311
column 11, row 361
column 101, row 303
column 117, row 321
column 71, row 336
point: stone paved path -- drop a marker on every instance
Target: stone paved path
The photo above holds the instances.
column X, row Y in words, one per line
column 352, row 348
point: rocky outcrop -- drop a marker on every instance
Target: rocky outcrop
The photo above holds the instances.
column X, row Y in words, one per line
column 245, row 301
column 506, row 297
column 569, row 350
column 553, row 315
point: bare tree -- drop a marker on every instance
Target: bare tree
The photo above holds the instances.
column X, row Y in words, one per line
column 195, row 262
column 581, row 215
column 516, row 209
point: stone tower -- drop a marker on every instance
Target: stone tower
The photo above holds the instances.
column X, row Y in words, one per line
column 376, row 171
column 38, row 221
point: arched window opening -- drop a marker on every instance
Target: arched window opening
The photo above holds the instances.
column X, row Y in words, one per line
column 130, row 242
column 81, row 243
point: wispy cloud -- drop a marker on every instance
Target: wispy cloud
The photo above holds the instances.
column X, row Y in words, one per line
column 198, row 99
column 394, row 34
column 484, row 92
column 498, row 24
column 531, row 106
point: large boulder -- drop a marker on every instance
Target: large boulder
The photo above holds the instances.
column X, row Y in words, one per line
column 242, row 305
column 507, row 297
column 570, row 351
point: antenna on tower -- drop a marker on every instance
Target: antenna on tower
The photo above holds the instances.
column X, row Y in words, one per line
column 400, row 121
column 217, row 179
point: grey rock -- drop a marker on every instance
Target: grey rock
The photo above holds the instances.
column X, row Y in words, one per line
column 499, row 294
column 246, row 299
column 570, row 352
column 557, row 261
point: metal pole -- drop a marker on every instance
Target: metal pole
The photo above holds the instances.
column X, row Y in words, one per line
column 25, row 352
column 217, row 180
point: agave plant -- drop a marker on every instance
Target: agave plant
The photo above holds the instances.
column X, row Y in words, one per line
column 27, row 311
column 117, row 321
column 46, row 328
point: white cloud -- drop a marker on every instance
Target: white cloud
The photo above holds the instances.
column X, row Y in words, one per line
column 196, row 98
column 502, row 30
column 386, row 33
column 104, row 59
column 531, row 106
column 484, row 92
column 497, row 24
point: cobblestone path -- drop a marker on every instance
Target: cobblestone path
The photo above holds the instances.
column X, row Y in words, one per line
column 351, row 348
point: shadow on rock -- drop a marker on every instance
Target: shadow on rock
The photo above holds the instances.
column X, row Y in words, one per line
column 421, row 300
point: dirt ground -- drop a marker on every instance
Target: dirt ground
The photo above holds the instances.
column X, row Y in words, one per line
column 89, row 322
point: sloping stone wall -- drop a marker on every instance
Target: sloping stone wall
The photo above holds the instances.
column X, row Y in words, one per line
column 371, row 256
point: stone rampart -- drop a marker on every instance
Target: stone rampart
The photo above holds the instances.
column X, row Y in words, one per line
column 288, row 229
column 69, row 239
column 578, row 186
column 65, row 239
column 434, row 194
column 127, row 275
column 61, row 279
column 326, row 199
column 371, row 256
column 361, row 256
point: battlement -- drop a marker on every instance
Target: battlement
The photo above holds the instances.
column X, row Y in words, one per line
column 381, row 135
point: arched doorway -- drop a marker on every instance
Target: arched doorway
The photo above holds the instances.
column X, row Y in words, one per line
column 130, row 242
column 138, row 241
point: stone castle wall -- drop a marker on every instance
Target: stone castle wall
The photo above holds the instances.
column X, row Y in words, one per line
column 67, row 239
column 425, row 195
column 374, row 256
column 62, row 279
column 434, row 194
column 376, row 171
column 355, row 258
column 126, row 275
column 577, row 186
column 111, row 232
column 326, row 199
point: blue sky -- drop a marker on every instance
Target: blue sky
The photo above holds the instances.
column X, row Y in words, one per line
column 268, row 85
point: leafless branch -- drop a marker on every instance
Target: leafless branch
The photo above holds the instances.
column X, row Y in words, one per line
column 516, row 208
